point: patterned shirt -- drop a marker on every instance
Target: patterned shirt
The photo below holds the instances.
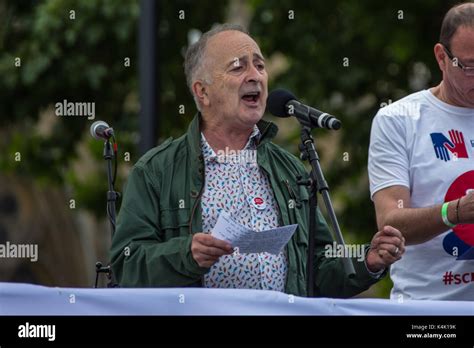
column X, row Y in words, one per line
column 234, row 183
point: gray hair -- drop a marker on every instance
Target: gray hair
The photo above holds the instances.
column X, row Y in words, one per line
column 194, row 59
column 457, row 16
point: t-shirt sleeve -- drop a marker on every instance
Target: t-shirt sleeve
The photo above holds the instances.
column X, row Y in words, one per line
column 388, row 159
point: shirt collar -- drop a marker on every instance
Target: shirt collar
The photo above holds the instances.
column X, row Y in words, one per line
column 209, row 154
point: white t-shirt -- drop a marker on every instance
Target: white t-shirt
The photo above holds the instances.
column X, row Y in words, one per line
column 428, row 146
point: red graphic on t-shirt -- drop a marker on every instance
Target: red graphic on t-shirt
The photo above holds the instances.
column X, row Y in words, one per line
column 459, row 148
column 460, row 187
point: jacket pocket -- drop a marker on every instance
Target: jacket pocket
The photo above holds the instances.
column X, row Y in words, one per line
column 296, row 194
column 174, row 222
column 298, row 208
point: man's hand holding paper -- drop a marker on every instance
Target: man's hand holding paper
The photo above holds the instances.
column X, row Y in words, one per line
column 249, row 241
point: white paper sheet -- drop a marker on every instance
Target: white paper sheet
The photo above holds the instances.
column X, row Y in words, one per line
column 249, row 241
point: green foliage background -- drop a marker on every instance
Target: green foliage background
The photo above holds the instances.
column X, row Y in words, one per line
column 388, row 45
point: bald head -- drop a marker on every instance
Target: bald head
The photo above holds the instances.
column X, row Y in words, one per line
column 230, row 44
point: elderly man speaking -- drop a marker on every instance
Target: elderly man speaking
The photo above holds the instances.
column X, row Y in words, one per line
column 176, row 192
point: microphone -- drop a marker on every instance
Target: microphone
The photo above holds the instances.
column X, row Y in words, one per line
column 282, row 103
column 101, row 130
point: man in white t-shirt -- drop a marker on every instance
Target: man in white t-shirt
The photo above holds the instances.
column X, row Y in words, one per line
column 421, row 170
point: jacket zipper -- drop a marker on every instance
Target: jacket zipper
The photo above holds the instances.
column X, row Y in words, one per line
column 291, row 192
column 192, row 215
column 194, row 209
column 296, row 198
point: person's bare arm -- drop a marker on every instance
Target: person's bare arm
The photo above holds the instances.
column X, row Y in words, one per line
column 418, row 225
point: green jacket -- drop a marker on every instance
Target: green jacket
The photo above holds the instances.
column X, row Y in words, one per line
column 161, row 211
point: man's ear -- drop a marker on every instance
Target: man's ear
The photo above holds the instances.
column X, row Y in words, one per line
column 439, row 55
column 200, row 91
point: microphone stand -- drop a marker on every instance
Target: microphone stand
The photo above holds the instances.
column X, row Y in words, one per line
column 112, row 197
column 316, row 184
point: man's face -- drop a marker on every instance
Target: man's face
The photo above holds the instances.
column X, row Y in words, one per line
column 238, row 90
column 460, row 86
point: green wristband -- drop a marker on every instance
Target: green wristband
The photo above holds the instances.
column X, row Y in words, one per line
column 444, row 215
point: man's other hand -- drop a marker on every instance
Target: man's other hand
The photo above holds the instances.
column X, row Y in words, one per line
column 387, row 246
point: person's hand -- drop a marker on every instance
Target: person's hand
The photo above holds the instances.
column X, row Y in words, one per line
column 466, row 208
column 387, row 246
column 206, row 249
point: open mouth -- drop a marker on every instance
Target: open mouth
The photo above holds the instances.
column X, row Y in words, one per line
column 251, row 98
